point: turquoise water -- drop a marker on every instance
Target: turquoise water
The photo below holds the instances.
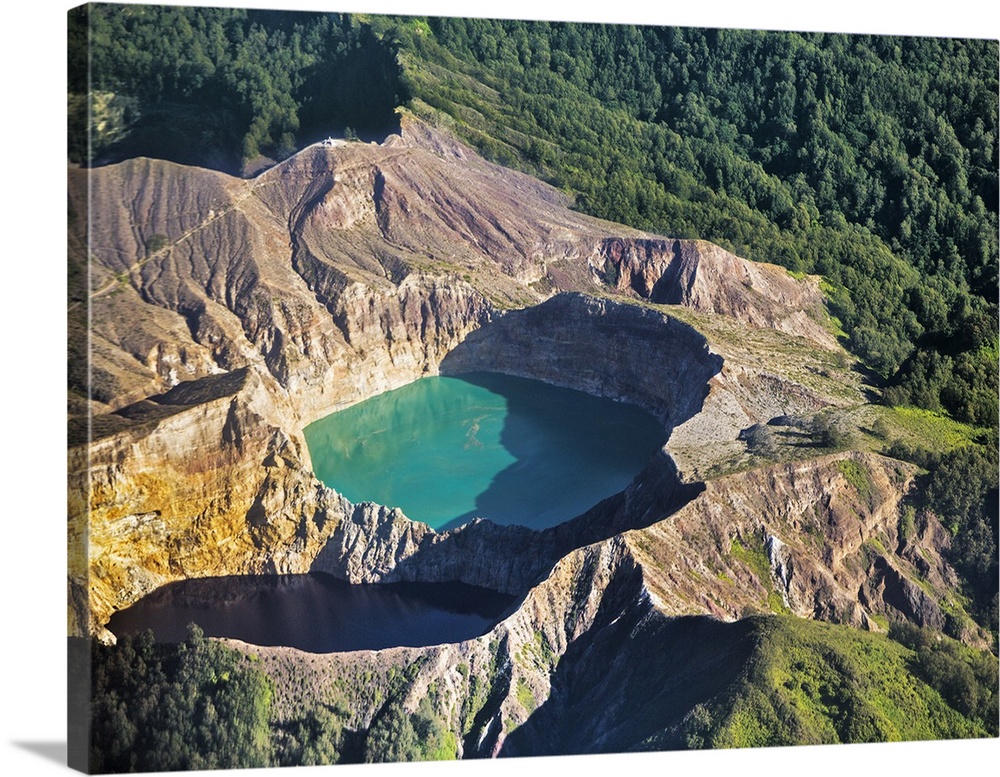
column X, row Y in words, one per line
column 448, row 449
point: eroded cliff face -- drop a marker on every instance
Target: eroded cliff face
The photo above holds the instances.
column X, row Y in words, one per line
column 213, row 478
column 172, row 484
column 820, row 539
column 487, row 686
column 620, row 639
column 705, row 277
column 378, row 259
column 226, row 314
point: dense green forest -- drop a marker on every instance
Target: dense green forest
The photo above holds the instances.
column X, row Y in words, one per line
column 870, row 160
column 202, row 705
column 221, row 87
column 197, row 705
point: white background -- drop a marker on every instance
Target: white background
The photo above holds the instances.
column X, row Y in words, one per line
column 32, row 355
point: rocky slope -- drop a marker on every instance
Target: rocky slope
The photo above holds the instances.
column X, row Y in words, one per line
column 212, row 478
column 344, row 271
column 820, row 539
column 226, row 314
column 623, row 638
column 702, row 276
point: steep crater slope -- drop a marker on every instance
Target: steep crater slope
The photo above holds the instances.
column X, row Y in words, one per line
column 619, row 644
column 212, row 478
column 226, row 314
column 377, row 259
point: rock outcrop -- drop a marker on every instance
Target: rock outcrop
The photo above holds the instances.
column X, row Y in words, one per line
column 622, row 638
column 820, row 539
column 226, row 314
column 705, row 277
column 605, row 348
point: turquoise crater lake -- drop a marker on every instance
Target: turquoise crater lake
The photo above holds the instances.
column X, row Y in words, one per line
column 446, row 450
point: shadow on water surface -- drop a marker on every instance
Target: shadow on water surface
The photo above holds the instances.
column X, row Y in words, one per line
column 570, row 452
column 513, row 450
column 603, row 347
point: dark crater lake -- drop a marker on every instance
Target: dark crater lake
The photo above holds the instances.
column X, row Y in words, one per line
column 316, row 613
column 446, row 450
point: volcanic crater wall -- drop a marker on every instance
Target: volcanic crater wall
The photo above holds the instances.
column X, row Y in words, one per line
column 334, row 276
column 571, row 340
column 182, row 487
column 623, row 352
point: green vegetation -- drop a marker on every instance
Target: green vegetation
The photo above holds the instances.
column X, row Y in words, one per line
column 197, row 705
column 201, row 705
column 536, row 653
column 751, row 552
column 857, row 476
column 924, row 428
column 810, row 682
column 220, row 86
column 315, row 738
column 870, row 160
column 396, row 735
column 962, row 491
column 965, row 678
column 960, row 488
column 525, row 696
column 826, row 431
column 155, row 243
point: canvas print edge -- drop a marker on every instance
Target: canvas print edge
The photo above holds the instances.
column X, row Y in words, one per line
column 436, row 140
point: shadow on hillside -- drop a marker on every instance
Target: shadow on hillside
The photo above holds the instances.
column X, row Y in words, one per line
column 510, row 559
column 190, row 135
column 631, row 680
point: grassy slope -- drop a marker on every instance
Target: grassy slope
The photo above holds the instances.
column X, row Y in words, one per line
column 815, row 683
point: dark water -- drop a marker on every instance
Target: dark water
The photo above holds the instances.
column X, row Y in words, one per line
column 448, row 449
column 316, row 613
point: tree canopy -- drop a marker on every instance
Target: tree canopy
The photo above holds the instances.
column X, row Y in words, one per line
column 222, row 86
column 198, row 705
